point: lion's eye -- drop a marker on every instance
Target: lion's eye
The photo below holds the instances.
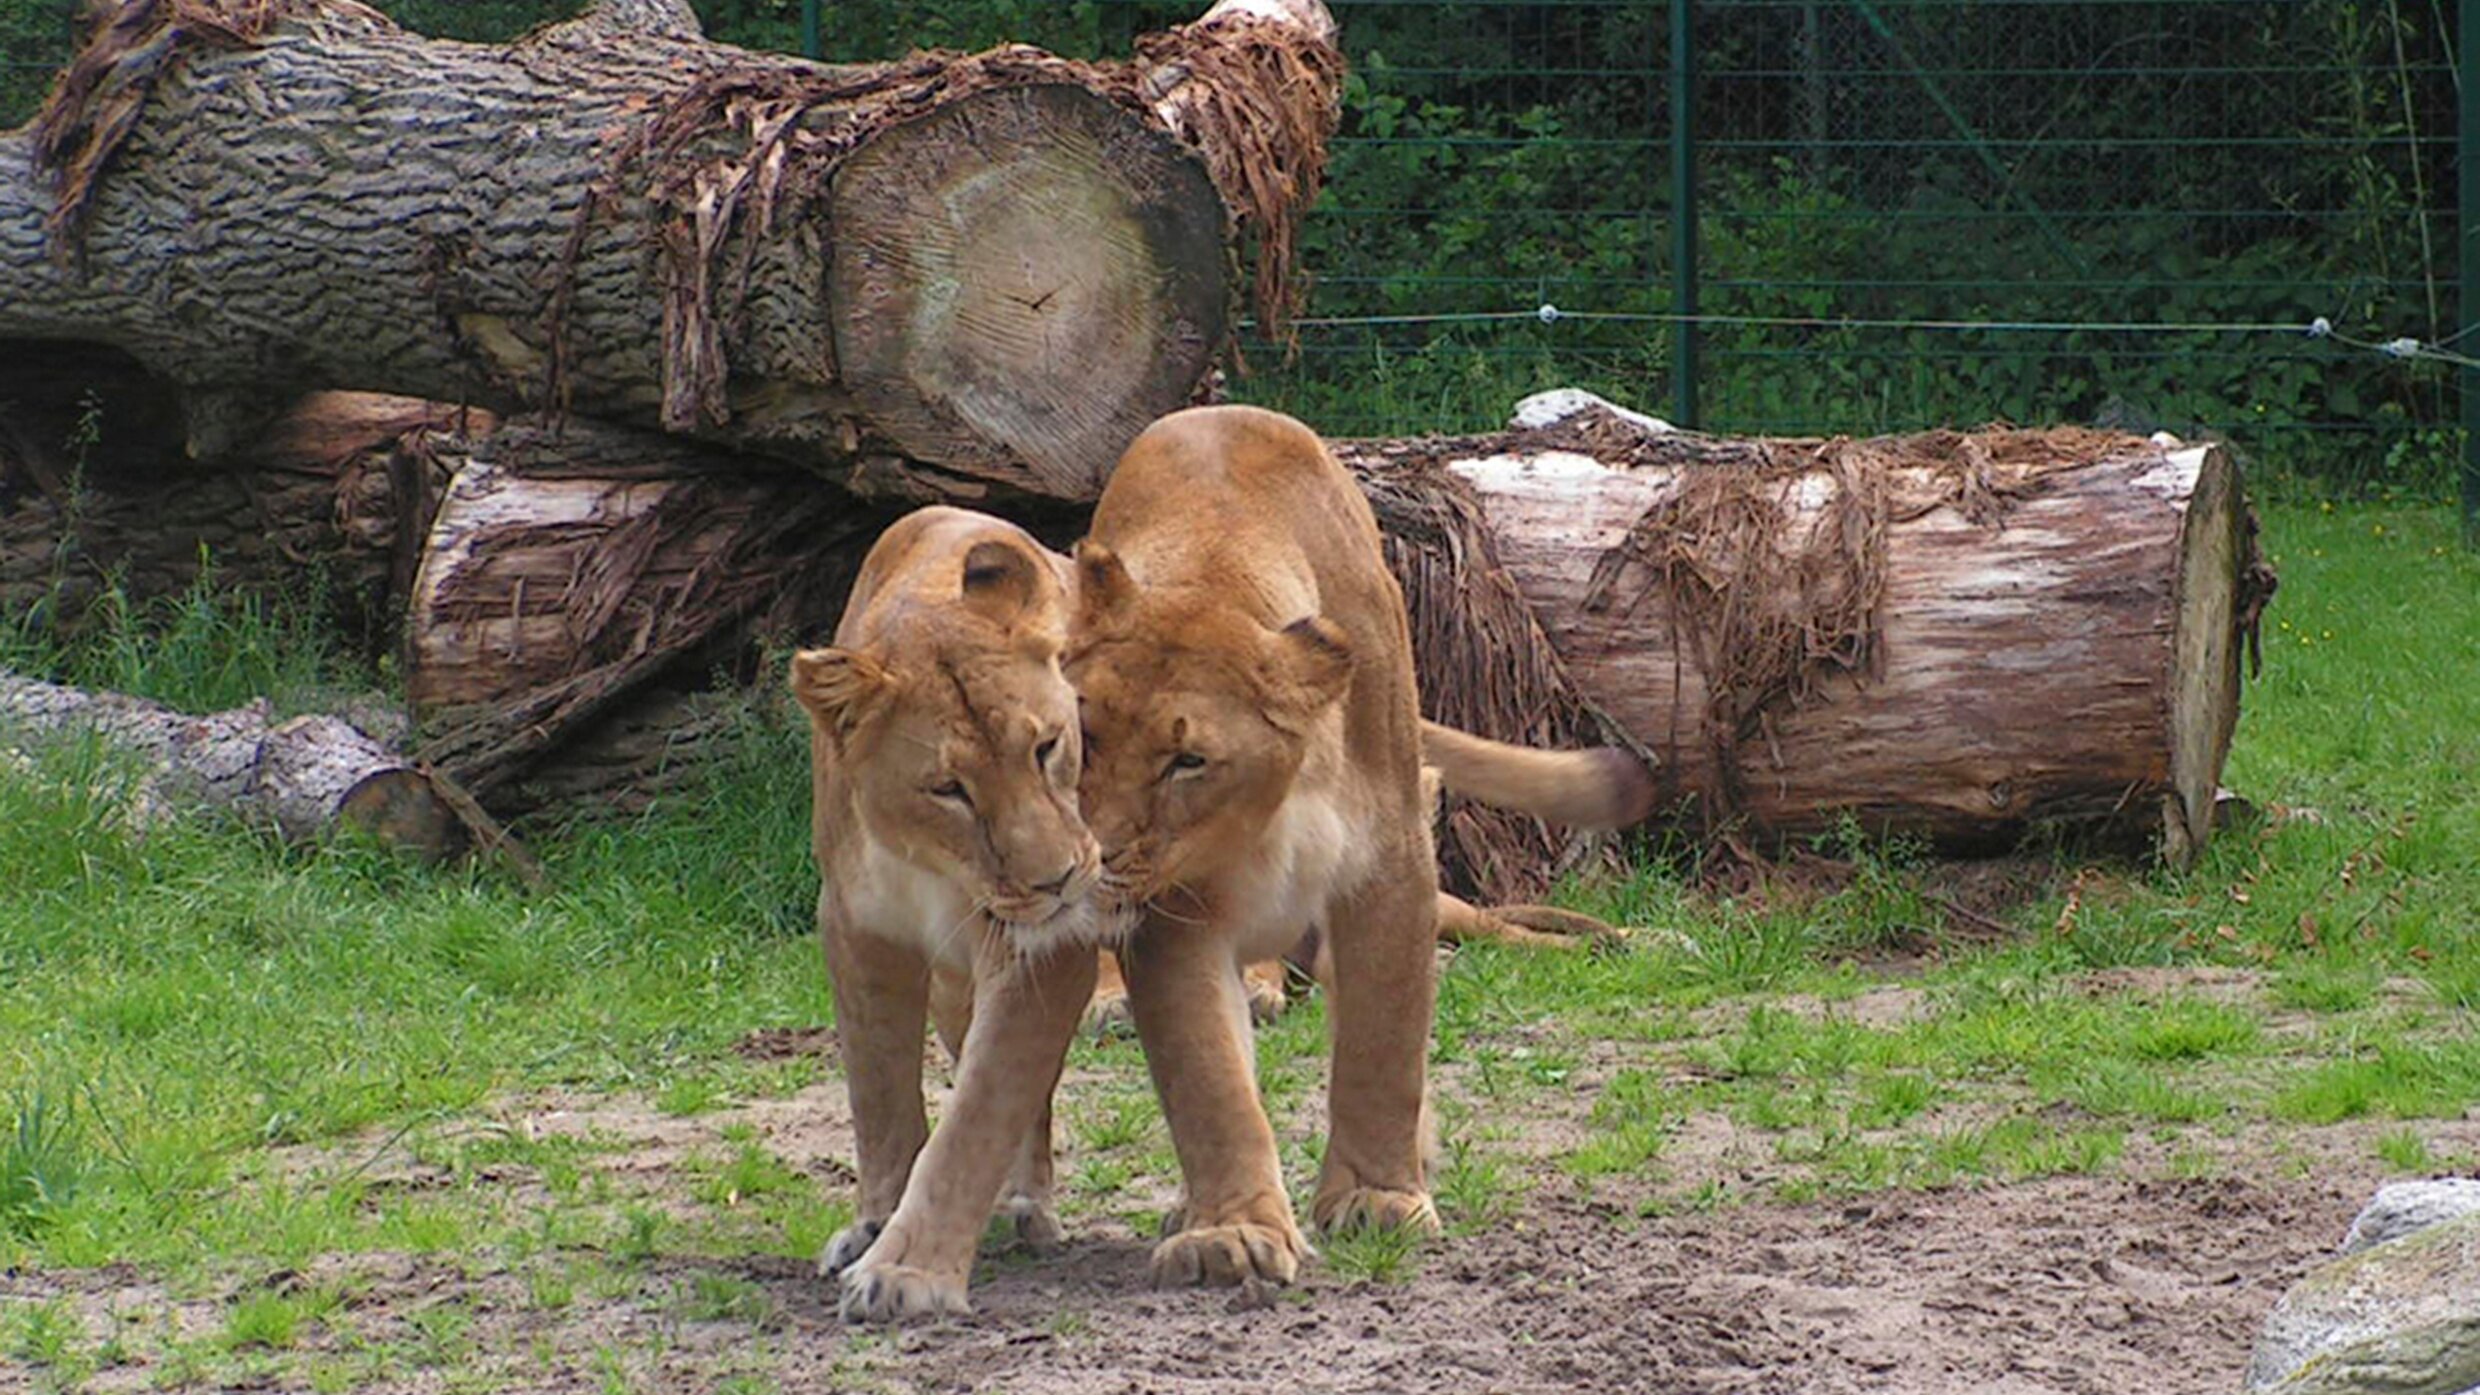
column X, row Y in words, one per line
column 1042, row 754
column 1186, row 761
column 954, row 792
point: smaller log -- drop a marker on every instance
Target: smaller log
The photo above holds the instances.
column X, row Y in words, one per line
column 305, row 775
column 568, row 574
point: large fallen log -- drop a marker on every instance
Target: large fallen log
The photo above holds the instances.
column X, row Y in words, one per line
column 1954, row 636
column 956, row 271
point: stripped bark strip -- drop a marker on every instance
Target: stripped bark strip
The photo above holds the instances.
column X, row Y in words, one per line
column 98, row 98
column 1483, row 663
column 1266, row 101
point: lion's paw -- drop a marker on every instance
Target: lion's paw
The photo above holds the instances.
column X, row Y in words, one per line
column 849, row 1244
column 886, row 1292
column 1384, row 1208
column 1264, row 990
column 1223, row 1255
column 1028, row 1221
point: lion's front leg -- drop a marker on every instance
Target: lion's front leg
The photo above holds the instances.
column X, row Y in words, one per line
column 881, row 988
column 1382, row 997
column 1235, row 1223
column 1024, row 1013
column 1025, row 1202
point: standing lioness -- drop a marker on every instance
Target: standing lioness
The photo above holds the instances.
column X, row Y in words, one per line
column 953, row 873
column 1253, row 766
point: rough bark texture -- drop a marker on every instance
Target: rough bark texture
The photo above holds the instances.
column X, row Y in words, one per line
column 996, row 267
column 1953, row 636
column 101, row 496
column 305, row 775
column 565, row 572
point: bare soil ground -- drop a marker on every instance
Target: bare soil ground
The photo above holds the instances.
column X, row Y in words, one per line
column 2112, row 1286
column 2128, row 1282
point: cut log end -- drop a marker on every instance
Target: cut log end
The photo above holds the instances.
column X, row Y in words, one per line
column 1025, row 268
column 2203, row 687
column 402, row 809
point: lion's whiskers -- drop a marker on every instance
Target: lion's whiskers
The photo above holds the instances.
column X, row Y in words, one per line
column 980, row 906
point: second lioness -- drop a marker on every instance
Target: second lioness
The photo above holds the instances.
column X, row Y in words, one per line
column 953, row 876
column 1253, row 752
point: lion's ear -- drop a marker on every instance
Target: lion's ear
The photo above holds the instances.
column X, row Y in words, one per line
column 999, row 580
column 839, row 686
column 1312, row 669
column 1103, row 586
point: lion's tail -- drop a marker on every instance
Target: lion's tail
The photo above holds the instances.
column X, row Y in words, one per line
column 1601, row 788
column 1534, row 927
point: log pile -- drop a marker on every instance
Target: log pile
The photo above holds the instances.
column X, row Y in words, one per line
column 709, row 320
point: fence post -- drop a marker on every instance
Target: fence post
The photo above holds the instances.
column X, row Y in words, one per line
column 813, row 43
column 2467, row 240
column 1683, row 209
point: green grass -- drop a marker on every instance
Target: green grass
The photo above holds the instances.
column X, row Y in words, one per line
column 215, row 1048
column 184, row 999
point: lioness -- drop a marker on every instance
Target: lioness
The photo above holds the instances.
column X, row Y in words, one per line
column 1253, row 766
column 953, row 869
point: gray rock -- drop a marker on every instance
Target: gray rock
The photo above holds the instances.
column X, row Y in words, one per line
column 2404, row 1207
column 2401, row 1318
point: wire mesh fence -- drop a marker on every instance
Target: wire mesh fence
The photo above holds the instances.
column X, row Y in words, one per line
column 1913, row 212
column 2053, row 170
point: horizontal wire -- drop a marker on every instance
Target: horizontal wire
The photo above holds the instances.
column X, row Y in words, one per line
column 2404, row 348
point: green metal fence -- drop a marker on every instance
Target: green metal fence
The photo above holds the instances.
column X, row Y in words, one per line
column 1909, row 212
column 1913, row 212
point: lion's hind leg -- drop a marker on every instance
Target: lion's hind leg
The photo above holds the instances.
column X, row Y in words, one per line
column 1529, row 927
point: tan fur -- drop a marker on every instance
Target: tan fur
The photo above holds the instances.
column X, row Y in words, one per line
column 1265, row 981
column 954, row 879
column 1601, row 788
column 1254, row 768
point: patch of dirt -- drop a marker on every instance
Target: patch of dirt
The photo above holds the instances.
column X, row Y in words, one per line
column 2111, row 1286
column 2145, row 1281
column 2073, row 1285
column 786, row 1044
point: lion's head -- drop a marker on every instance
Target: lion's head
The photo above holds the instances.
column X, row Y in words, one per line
column 1197, row 722
column 955, row 732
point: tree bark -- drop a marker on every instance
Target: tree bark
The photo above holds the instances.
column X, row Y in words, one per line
column 994, row 269
column 1953, row 636
column 336, row 490
column 567, row 572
